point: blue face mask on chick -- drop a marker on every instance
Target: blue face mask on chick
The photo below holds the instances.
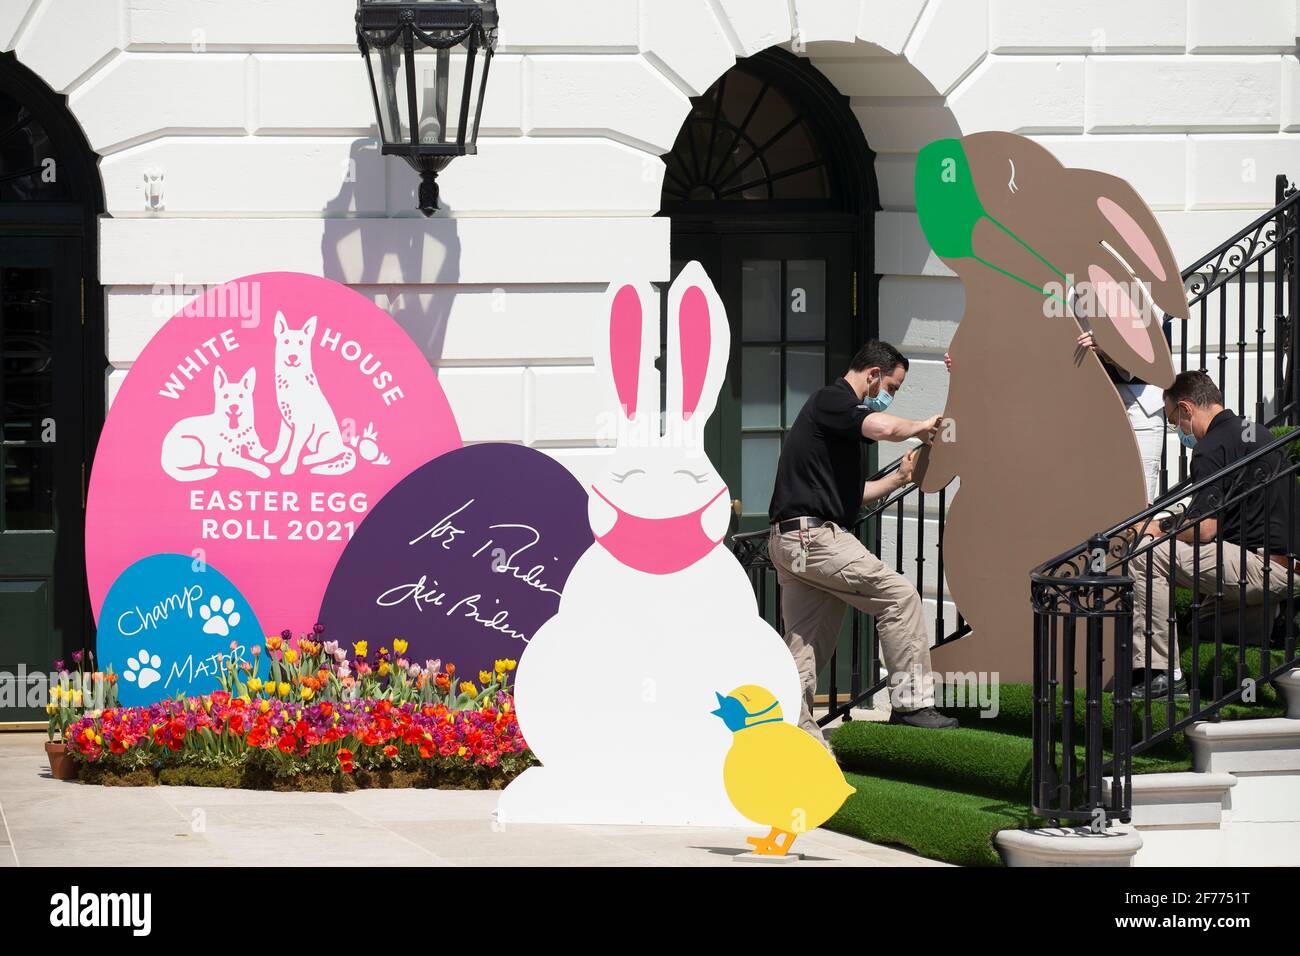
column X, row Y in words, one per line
column 736, row 717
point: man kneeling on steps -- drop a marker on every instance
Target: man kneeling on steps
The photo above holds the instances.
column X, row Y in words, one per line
column 1217, row 437
column 820, row 564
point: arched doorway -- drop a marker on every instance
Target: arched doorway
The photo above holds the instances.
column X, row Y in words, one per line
column 771, row 186
column 51, row 374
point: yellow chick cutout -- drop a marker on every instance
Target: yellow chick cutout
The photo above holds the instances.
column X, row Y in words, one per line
column 776, row 774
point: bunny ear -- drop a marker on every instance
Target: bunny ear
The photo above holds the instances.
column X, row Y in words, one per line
column 1137, row 238
column 699, row 343
column 624, row 350
column 1123, row 320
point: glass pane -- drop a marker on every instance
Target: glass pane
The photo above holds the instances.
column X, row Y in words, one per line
column 809, row 184
column 760, row 300
column 440, row 93
column 760, row 387
column 26, row 313
column 806, row 300
column 805, row 372
column 758, row 457
column 28, row 489
column 28, row 390
column 390, row 85
column 28, row 167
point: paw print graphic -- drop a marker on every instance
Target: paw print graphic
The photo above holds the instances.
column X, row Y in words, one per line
column 143, row 670
column 219, row 616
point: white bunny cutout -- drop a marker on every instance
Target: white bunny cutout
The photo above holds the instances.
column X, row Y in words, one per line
column 615, row 693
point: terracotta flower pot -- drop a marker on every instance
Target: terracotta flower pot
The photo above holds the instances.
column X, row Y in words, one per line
column 62, row 764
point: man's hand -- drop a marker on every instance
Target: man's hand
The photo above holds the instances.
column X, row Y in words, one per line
column 926, row 429
column 907, row 466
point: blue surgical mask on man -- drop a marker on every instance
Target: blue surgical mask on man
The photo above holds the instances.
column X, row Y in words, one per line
column 880, row 401
column 1188, row 440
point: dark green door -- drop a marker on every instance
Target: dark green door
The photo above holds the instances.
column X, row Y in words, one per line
column 790, row 303
column 41, row 489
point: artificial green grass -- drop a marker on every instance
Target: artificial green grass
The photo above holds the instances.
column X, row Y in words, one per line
column 966, row 759
column 946, row 793
column 940, row 824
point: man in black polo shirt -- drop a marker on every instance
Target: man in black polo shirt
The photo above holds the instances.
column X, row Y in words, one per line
column 820, row 564
column 1217, row 437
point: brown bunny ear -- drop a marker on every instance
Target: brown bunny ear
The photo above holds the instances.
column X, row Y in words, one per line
column 1137, row 238
column 1124, row 322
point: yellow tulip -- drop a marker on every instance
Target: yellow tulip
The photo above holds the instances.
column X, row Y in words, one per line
column 55, row 691
column 485, row 677
column 501, row 667
column 291, row 656
column 467, row 687
column 307, row 692
column 284, row 689
column 264, row 706
column 399, row 645
column 255, row 684
column 360, row 648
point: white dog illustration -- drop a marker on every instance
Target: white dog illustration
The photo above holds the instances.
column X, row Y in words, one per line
column 197, row 447
column 307, row 423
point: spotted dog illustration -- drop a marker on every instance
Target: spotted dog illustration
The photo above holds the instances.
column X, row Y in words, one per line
column 197, row 448
column 309, row 429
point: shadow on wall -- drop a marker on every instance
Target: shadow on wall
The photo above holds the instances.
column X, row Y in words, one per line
column 399, row 262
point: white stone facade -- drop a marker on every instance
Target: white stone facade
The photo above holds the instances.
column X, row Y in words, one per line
column 257, row 116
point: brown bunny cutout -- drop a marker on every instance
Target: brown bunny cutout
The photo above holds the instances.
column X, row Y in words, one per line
column 1036, row 431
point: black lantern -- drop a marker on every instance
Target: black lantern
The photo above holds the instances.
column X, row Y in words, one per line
column 428, row 63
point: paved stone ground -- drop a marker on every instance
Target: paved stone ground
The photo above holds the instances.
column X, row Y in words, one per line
column 47, row 822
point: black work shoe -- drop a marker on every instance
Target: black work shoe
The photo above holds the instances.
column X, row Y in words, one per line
column 926, row 717
column 1160, row 686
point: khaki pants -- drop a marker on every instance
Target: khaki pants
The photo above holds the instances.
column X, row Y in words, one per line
column 1185, row 556
column 841, row 572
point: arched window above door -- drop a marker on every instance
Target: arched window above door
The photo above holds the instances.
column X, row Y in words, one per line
column 746, row 140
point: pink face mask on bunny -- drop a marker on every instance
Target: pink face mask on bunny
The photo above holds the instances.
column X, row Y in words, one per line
column 672, row 543
column 658, row 545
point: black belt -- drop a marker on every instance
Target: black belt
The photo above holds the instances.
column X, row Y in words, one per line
column 794, row 524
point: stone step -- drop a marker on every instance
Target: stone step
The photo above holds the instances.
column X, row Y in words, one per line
column 1270, row 745
column 1181, row 817
column 1177, row 799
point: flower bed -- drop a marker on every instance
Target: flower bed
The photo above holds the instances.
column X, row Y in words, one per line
column 225, row 741
column 320, row 719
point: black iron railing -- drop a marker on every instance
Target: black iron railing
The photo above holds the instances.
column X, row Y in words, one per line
column 1233, row 279
column 1241, row 617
